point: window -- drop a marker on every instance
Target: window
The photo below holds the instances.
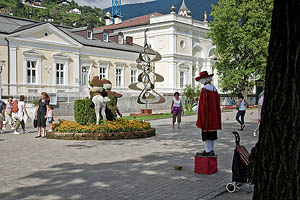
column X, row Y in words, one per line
column 84, row 75
column 120, row 39
column 102, row 72
column 181, row 79
column 59, row 74
column 182, row 44
column 90, row 35
column 118, row 77
column 133, row 75
column 31, row 71
column 105, row 37
column 33, row 91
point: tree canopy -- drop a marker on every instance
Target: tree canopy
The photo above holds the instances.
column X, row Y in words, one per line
column 241, row 32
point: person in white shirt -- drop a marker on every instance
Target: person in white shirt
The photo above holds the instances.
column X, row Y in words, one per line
column 242, row 105
column 176, row 109
column 20, row 116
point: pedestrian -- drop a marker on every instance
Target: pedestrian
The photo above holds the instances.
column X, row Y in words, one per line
column 242, row 104
column 8, row 115
column 20, row 120
column 176, row 109
column 2, row 109
column 209, row 113
column 50, row 118
column 41, row 114
column 260, row 104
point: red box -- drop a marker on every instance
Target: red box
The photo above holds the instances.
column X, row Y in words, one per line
column 206, row 165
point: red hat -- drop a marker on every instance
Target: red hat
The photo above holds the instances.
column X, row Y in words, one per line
column 203, row 74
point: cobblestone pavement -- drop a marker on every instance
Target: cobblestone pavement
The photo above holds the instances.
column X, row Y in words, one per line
column 121, row 169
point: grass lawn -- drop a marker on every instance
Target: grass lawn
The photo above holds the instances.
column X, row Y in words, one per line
column 169, row 115
column 160, row 116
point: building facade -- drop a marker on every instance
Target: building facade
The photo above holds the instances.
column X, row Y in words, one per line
column 40, row 56
column 182, row 41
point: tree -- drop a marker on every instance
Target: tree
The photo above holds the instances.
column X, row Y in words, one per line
column 241, row 32
column 190, row 93
column 277, row 153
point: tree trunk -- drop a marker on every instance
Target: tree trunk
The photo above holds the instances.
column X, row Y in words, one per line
column 276, row 156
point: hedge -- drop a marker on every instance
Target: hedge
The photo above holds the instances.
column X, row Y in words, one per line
column 84, row 111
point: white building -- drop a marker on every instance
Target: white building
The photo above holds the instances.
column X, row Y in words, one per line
column 75, row 11
column 181, row 40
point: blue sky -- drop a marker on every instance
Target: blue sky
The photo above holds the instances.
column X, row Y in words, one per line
column 106, row 3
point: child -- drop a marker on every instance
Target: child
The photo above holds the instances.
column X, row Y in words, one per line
column 50, row 118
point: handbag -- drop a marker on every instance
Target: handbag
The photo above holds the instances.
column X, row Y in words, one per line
column 237, row 107
column 35, row 123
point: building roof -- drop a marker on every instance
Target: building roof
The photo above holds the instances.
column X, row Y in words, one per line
column 100, row 43
column 10, row 24
column 142, row 20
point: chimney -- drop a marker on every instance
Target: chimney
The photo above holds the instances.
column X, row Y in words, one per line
column 117, row 19
column 129, row 40
column 108, row 19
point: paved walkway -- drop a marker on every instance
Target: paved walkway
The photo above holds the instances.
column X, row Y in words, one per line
column 123, row 169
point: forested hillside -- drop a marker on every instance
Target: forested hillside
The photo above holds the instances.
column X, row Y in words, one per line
column 64, row 12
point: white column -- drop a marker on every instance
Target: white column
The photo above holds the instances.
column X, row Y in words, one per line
column 76, row 69
column 13, row 69
column 172, row 75
column 191, row 74
column 173, row 42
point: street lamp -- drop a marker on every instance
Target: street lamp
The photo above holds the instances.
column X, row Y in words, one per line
column 259, row 88
column 2, row 64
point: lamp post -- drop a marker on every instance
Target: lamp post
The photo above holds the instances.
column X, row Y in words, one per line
column 2, row 63
column 259, row 88
column 48, row 69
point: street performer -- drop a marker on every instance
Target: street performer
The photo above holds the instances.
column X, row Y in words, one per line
column 209, row 113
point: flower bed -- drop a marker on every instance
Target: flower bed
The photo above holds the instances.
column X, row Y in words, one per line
column 107, row 130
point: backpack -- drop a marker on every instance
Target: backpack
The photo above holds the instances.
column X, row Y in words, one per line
column 2, row 105
column 15, row 108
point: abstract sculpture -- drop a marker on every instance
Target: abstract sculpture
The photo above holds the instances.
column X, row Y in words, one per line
column 147, row 78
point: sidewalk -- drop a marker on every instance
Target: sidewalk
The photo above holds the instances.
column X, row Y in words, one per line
column 122, row 169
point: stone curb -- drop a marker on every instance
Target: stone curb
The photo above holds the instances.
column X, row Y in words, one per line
column 103, row 136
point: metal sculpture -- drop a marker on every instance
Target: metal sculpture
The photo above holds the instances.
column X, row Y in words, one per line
column 147, row 78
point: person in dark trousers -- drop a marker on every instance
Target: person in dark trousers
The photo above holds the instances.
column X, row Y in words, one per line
column 176, row 109
column 41, row 114
column 242, row 104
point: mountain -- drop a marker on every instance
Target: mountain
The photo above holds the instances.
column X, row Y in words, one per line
column 163, row 6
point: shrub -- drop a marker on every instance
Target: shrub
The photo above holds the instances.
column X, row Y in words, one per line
column 35, row 101
column 84, row 111
column 190, row 93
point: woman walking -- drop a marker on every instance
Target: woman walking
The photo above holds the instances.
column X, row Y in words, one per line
column 20, row 117
column 41, row 113
column 242, row 104
column 8, row 114
column 176, row 109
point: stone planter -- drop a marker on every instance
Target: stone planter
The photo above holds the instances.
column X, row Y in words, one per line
column 102, row 136
column 146, row 111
